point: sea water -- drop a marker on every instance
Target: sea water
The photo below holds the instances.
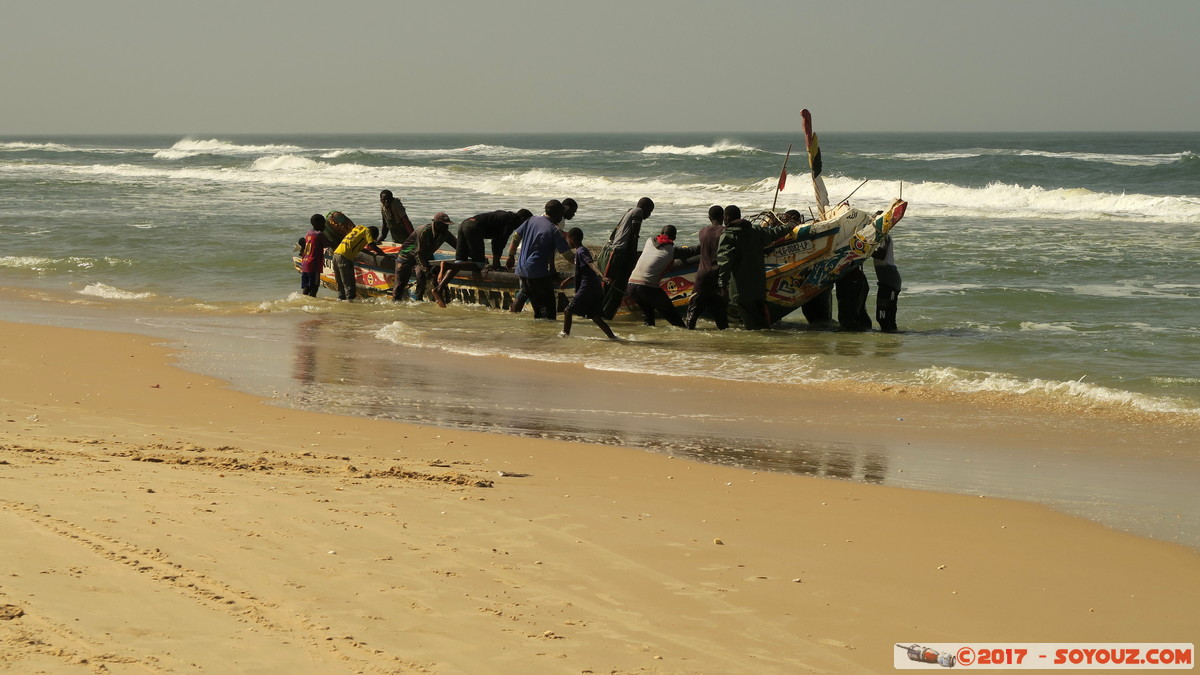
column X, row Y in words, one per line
column 1060, row 265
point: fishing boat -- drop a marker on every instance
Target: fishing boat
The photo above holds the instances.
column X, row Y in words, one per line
column 799, row 266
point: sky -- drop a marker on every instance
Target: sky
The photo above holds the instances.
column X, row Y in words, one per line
column 397, row 66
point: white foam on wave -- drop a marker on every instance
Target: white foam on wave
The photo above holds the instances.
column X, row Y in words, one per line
column 26, row 146
column 101, row 290
column 648, row 359
column 1129, row 290
column 1039, row 327
column 44, row 264
column 1095, row 157
column 1106, row 158
column 1006, row 201
column 479, row 150
column 935, row 199
column 920, row 288
column 276, row 170
column 715, row 148
column 189, row 147
column 957, row 380
column 402, row 334
column 27, row 262
column 541, row 181
column 287, row 163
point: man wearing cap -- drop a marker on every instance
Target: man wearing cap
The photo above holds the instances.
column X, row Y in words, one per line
column 540, row 238
column 418, row 251
column 395, row 218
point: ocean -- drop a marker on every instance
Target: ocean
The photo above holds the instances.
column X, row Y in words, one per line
column 1060, row 266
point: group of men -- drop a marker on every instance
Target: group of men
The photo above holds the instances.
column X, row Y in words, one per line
column 731, row 269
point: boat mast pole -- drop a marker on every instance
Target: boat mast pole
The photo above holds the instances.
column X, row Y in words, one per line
column 782, row 178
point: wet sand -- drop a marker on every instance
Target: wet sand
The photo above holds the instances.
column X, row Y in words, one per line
column 155, row 520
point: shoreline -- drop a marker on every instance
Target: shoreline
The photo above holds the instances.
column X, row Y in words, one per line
column 1127, row 468
column 154, row 515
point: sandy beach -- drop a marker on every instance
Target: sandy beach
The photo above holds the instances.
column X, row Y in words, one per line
column 153, row 520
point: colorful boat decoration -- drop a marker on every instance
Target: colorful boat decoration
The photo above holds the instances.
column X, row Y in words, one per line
column 798, row 266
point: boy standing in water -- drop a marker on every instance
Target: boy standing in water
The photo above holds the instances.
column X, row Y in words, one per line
column 312, row 255
column 588, row 293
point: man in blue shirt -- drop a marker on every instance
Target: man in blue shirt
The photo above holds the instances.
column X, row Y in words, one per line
column 540, row 238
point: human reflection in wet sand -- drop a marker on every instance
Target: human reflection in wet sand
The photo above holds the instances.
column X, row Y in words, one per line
column 305, row 363
column 341, row 367
column 826, row 460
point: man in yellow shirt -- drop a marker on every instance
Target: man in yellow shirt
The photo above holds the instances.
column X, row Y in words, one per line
column 353, row 243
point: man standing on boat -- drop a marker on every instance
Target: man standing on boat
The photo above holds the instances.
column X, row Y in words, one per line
column 706, row 297
column 620, row 254
column 395, row 218
column 740, row 266
column 418, row 251
column 540, row 238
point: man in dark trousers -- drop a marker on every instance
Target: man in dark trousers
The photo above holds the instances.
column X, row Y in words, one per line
column 740, row 270
column 620, row 254
column 645, row 288
column 887, row 276
column 540, row 238
column 706, row 297
column 417, row 251
column 495, row 226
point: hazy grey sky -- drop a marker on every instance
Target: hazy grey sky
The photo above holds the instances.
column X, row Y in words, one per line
column 219, row 66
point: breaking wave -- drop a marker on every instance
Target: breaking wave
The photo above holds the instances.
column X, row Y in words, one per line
column 1096, row 157
column 720, row 147
column 190, row 147
column 956, row 380
column 101, row 290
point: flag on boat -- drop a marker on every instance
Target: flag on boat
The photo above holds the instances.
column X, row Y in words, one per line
column 814, row 162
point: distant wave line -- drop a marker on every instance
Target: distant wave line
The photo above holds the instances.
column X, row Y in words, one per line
column 1105, row 158
column 931, row 198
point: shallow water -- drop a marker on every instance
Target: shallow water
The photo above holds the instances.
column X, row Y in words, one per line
column 1059, row 266
column 337, row 363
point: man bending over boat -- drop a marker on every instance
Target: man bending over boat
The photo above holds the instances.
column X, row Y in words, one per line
column 644, row 282
column 355, row 241
column 706, row 297
column 469, row 253
column 496, row 227
column 620, row 253
column 740, row 266
column 417, row 251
